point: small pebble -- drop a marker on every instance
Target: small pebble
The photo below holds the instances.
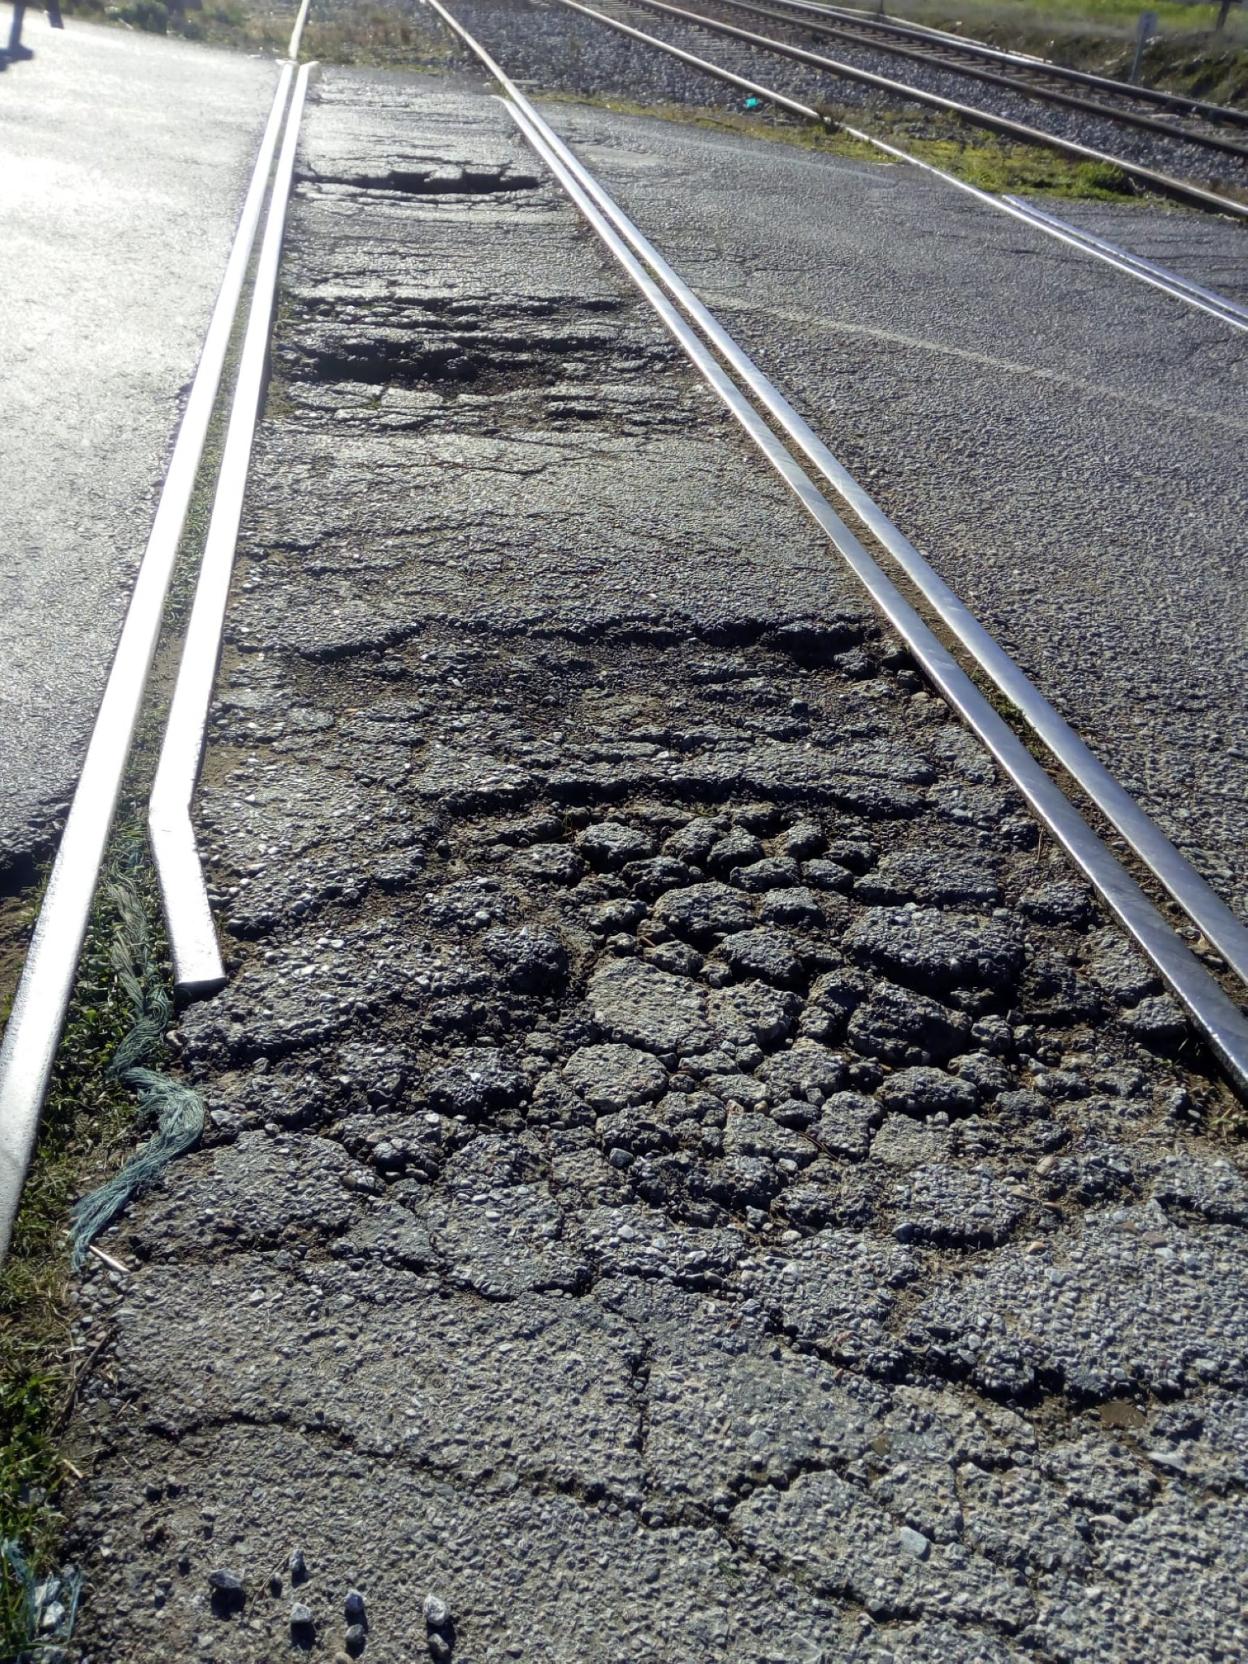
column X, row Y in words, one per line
column 914, row 1542
column 300, row 1616
column 439, row 1649
column 437, row 1613
column 355, row 1639
column 225, row 1583
column 297, row 1566
column 354, row 1606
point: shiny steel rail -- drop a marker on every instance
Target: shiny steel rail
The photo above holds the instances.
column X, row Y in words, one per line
column 296, row 34
column 197, row 963
column 905, row 28
column 1222, row 1022
column 769, row 94
column 1227, row 311
column 1029, row 79
column 43, row 994
column 1195, row 295
column 1165, row 184
column 1207, row 300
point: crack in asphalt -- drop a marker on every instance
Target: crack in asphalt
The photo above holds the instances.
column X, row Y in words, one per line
column 649, row 1016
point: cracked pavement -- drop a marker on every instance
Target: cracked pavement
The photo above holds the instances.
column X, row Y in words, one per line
column 1061, row 443
column 691, row 1172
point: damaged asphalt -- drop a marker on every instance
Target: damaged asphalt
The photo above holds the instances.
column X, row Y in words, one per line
column 691, row 1173
column 1061, row 443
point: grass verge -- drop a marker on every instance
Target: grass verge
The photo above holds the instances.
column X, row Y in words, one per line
column 990, row 163
column 87, row 1128
column 1187, row 54
column 370, row 35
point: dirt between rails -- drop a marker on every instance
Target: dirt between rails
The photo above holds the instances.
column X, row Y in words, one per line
column 691, row 1173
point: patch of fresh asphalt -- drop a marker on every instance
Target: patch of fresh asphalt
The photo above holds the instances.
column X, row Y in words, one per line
column 1064, row 444
column 690, row 1174
column 125, row 160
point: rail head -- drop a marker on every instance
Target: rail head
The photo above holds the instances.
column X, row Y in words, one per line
column 197, row 960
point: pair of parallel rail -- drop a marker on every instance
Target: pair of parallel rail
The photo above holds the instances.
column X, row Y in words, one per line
column 779, row 433
column 42, row 999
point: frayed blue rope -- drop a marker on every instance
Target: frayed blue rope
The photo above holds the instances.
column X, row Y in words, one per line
column 178, row 1129
column 49, row 1608
column 131, row 959
column 177, row 1109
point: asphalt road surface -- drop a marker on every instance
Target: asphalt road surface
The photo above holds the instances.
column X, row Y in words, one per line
column 123, row 163
column 1063, row 443
column 689, row 1173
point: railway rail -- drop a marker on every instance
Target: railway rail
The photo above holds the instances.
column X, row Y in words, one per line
column 40, row 1004
column 1028, row 77
column 661, row 286
column 482, row 762
column 1028, row 67
column 778, row 432
column 1223, row 307
column 1164, row 184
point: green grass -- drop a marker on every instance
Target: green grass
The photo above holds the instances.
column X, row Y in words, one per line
column 1187, row 54
column 370, row 34
column 375, row 36
column 998, row 167
column 247, row 27
column 86, row 1130
column 1059, row 16
column 981, row 159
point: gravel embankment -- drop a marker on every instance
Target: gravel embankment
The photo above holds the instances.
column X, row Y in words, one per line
column 691, row 1174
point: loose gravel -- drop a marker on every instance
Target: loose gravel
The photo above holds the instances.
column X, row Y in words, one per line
column 685, row 1178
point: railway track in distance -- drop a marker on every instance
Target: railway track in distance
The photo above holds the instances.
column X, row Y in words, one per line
column 1169, row 185
column 1162, row 97
column 1100, row 95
